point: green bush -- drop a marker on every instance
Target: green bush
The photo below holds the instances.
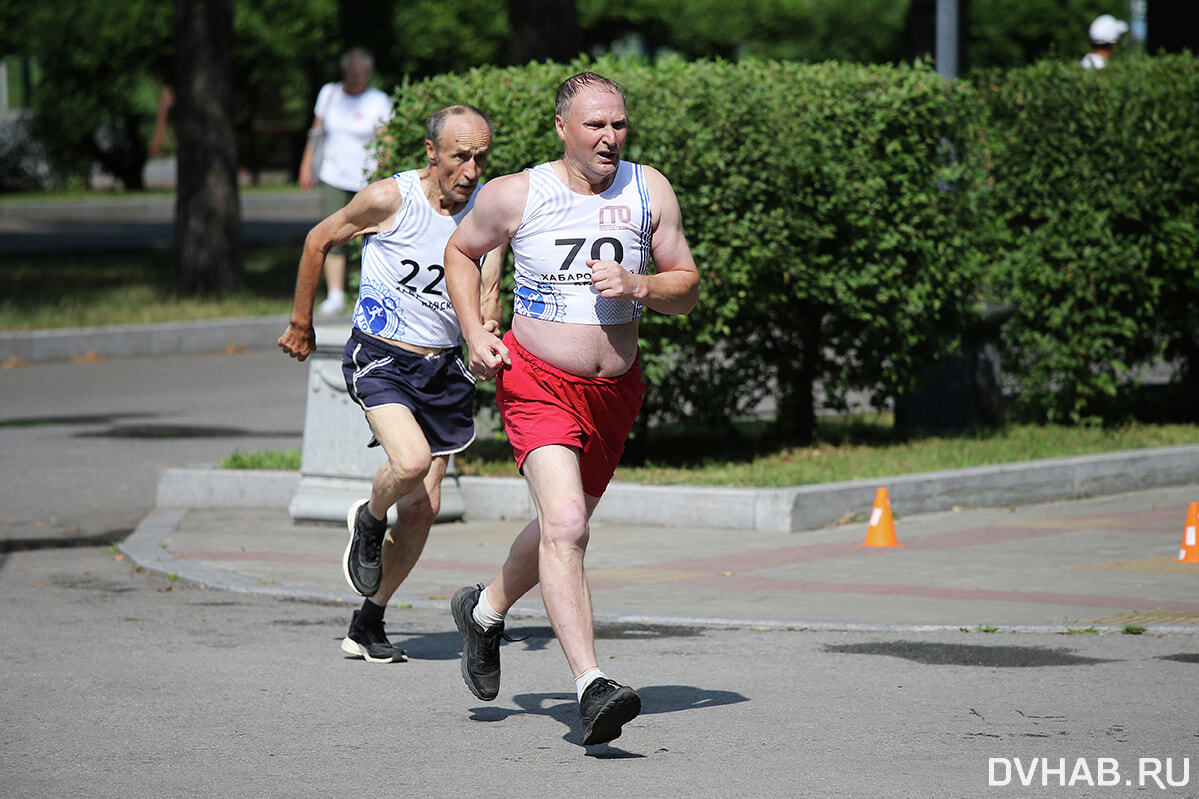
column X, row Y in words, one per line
column 845, row 218
column 830, row 209
column 1096, row 199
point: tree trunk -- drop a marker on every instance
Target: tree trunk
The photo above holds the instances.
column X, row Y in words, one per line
column 543, row 30
column 797, row 369
column 208, row 255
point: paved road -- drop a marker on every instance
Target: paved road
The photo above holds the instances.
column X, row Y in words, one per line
column 121, row 684
column 81, row 443
column 151, row 689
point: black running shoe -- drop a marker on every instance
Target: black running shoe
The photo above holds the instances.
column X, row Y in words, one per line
column 362, row 562
column 370, row 642
column 480, row 648
column 606, row 706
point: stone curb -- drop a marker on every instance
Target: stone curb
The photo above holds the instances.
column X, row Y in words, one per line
column 225, row 488
column 145, row 547
column 764, row 509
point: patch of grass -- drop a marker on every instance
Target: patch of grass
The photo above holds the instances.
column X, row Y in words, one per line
column 130, row 287
column 986, row 628
column 281, row 460
column 1133, row 629
column 1092, row 630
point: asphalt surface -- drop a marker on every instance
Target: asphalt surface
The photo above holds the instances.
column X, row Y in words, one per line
column 123, row 684
column 81, row 443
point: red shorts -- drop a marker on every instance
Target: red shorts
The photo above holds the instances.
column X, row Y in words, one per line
column 542, row 405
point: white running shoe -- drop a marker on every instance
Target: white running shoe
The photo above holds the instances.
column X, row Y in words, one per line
column 333, row 305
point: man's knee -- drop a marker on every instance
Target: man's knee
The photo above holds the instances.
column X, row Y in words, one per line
column 566, row 527
column 408, row 466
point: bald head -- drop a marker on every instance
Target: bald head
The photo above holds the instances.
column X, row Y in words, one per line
column 439, row 119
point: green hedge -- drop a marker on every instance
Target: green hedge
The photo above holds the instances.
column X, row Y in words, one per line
column 823, row 203
column 1096, row 199
column 847, row 218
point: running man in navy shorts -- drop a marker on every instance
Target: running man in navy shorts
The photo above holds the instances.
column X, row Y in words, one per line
column 583, row 230
column 403, row 363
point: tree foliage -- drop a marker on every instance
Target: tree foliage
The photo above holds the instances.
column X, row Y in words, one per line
column 100, row 74
column 425, row 29
column 1016, row 33
column 797, row 30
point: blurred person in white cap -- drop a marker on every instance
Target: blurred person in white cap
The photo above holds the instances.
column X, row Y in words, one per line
column 1105, row 31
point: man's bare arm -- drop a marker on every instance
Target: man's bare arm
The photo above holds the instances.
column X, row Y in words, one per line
column 363, row 214
column 489, row 225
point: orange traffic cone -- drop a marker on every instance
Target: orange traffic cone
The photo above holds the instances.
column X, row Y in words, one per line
column 1189, row 553
column 881, row 532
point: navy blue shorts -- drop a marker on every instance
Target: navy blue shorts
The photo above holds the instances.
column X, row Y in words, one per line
column 438, row 389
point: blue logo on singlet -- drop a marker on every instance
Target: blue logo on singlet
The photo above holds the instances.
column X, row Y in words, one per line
column 373, row 315
column 543, row 302
column 377, row 313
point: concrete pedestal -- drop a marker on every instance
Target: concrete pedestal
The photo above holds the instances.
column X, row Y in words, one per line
column 336, row 466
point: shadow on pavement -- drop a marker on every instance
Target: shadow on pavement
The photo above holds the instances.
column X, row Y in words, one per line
column 153, row 431
column 563, row 708
column 933, row 654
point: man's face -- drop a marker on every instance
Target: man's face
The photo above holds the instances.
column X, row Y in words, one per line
column 356, row 79
column 460, row 156
column 593, row 132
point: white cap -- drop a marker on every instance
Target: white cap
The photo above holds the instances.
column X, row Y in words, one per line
column 1107, row 29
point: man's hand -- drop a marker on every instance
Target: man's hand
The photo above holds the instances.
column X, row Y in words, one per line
column 298, row 341
column 487, row 354
column 614, row 282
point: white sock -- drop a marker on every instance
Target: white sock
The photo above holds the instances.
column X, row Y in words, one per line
column 484, row 615
column 585, row 679
column 338, row 296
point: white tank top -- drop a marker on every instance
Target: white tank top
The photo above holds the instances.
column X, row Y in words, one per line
column 403, row 294
column 562, row 230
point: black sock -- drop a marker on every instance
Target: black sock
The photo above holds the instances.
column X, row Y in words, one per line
column 368, row 520
column 370, row 613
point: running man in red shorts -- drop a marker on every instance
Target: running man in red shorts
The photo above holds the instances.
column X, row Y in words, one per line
column 583, row 230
